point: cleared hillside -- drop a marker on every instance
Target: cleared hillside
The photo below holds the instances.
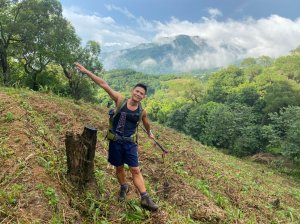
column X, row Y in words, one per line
column 192, row 184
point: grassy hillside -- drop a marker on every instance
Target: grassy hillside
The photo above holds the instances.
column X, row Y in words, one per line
column 192, row 184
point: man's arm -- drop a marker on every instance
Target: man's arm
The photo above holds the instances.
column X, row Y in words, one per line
column 146, row 124
column 114, row 95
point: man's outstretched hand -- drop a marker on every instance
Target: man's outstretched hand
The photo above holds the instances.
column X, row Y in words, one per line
column 80, row 67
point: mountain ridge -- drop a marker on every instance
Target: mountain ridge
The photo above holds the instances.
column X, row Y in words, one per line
column 177, row 54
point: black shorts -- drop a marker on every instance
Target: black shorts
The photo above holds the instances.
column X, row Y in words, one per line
column 121, row 152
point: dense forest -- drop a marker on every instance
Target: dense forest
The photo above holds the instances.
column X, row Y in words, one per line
column 244, row 109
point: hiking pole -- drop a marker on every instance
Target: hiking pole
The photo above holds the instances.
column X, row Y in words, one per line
column 156, row 142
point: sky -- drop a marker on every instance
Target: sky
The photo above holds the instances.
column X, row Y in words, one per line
column 263, row 27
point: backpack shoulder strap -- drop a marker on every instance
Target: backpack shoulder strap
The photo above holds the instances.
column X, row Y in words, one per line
column 120, row 106
column 141, row 112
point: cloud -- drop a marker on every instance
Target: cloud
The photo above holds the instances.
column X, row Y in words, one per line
column 121, row 10
column 105, row 30
column 148, row 63
column 213, row 12
column 143, row 24
column 273, row 36
column 206, row 60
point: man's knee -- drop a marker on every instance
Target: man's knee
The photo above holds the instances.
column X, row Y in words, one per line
column 135, row 171
column 120, row 169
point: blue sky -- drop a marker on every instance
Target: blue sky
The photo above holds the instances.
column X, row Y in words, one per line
column 192, row 10
column 263, row 27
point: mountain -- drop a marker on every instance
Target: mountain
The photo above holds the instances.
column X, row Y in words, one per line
column 192, row 183
column 178, row 54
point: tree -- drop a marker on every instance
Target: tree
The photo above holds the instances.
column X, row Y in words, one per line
column 220, row 83
column 246, row 139
column 289, row 66
column 196, row 119
column 251, row 68
column 296, row 51
column 80, row 87
column 35, row 33
column 9, row 30
column 281, row 94
column 43, row 30
column 219, row 127
column 265, row 61
column 246, row 93
column 178, row 117
column 283, row 132
column 195, row 91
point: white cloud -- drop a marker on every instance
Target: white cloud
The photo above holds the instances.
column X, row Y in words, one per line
column 142, row 23
column 204, row 61
column 273, row 36
column 121, row 10
column 213, row 12
column 148, row 63
column 105, row 30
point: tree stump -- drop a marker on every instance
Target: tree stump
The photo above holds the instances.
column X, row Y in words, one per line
column 80, row 150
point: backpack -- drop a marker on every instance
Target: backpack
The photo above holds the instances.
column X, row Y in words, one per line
column 113, row 113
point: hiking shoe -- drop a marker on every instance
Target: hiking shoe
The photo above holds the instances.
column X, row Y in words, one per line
column 147, row 203
column 122, row 193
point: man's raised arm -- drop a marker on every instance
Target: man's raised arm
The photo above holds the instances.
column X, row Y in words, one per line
column 114, row 95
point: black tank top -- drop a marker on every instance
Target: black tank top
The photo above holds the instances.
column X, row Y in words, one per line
column 125, row 122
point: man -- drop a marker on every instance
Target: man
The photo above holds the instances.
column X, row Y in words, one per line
column 122, row 146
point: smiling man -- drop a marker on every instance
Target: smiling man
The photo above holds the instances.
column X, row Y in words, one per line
column 122, row 136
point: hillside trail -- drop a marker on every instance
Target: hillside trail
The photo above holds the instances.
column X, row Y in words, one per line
column 192, row 184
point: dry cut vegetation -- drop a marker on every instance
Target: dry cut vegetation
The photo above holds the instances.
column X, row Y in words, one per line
column 192, row 184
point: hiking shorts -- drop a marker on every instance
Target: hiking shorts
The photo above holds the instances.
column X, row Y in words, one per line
column 121, row 152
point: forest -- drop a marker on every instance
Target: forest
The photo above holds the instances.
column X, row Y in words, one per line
column 250, row 107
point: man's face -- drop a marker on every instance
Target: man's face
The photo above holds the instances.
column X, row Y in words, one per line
column 138, row 93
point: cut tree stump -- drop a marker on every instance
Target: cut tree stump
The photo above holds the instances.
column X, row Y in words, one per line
column 80, row 150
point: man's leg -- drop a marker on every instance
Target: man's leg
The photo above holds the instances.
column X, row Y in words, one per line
column 115, row 157
column 139, row 183
column 121, row 176
column 138, row 179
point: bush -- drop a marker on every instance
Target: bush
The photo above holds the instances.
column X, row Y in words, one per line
column 283, row 131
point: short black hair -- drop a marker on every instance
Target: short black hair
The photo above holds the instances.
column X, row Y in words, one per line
column 144, row 86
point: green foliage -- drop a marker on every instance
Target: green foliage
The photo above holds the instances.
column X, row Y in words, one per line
column 50, row 194
column 289, row 66
column 9, row 117
column 178, row 116
column 220, row 83
column 39, row 47
column 42, row 21
column 80, row 86
column 281, row 94
column 196, row 119
column 10, row 197
column 245, row 93
column 219, row 127
column 283, row 131
column 247, row 138
column 231, row 110
column 203, row 187
column 125, row 80
column 135, row 214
